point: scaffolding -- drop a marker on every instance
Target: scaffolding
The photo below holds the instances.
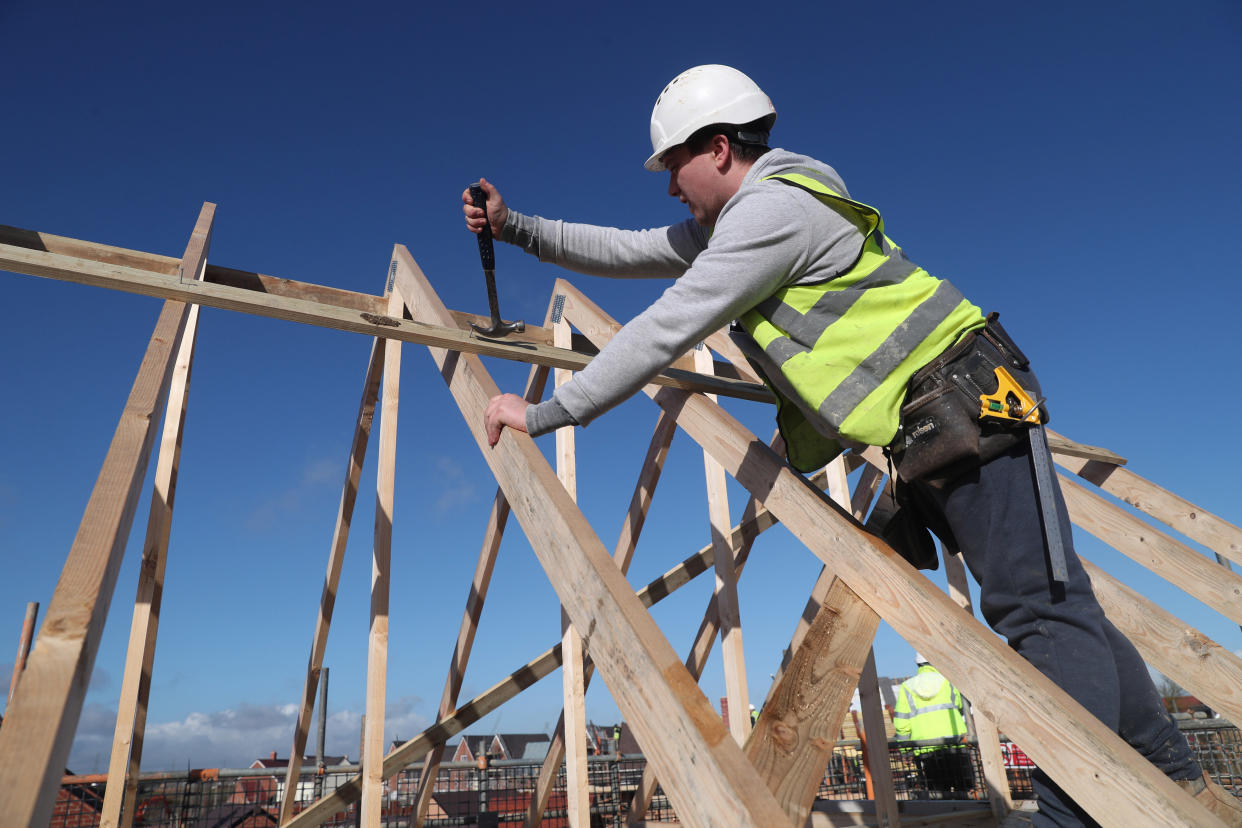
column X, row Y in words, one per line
column 714, row 773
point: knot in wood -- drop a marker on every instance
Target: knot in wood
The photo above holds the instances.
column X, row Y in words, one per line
column 1197, row 643
column 380, row 319
column 783, row 736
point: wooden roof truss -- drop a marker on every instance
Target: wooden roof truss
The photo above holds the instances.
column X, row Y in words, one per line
column 715, row 774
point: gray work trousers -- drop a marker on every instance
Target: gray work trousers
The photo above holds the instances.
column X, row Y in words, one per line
column 993, row 512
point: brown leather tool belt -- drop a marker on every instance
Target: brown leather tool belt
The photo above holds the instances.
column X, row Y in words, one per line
column 941, row 434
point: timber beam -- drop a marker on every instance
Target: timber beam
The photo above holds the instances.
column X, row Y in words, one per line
column 70, row 260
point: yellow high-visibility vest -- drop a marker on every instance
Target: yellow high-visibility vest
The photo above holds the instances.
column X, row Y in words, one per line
column 928, row 707
column 842, row 350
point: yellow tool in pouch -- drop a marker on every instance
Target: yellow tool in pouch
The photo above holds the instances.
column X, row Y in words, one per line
column 1009, row 402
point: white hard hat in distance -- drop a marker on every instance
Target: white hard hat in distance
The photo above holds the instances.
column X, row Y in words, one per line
column 699, row 97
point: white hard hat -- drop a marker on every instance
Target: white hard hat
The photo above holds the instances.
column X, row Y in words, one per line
column 919, row 658
column 699, row 97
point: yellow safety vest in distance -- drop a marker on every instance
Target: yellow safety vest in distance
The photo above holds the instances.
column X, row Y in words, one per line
column 917, row 717
column 847, row 346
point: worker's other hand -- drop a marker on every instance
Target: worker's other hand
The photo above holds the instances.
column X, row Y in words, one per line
column 497, row 212
column 504, row 410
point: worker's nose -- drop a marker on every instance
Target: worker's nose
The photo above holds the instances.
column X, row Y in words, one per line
column 672, row 185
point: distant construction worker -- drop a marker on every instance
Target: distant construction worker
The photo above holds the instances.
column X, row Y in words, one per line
column 754, row 715
column 929, row 707
column 861, row 347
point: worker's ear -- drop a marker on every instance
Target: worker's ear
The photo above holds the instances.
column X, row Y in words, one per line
column 720, row 151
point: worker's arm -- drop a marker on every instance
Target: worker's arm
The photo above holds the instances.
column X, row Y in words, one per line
column 663, row 252
column 763, row 240
column 586, row 248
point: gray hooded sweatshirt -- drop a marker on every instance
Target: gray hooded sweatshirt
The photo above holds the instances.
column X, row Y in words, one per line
column 768, row 235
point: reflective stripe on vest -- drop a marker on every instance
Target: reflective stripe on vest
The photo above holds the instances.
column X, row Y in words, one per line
column 934, row 718
column 847, row 346
column 915, row 710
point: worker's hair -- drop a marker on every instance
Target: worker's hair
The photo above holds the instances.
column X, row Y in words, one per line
column 748, row 141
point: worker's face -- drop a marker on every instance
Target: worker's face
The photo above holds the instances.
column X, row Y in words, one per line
column 697, row 181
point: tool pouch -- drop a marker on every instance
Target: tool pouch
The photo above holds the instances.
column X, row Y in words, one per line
column 941, row 433
column 895, row 520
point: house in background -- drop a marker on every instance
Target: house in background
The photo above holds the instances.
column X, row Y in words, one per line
column 272, row 788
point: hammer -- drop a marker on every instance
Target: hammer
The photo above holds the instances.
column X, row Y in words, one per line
column 488, row 257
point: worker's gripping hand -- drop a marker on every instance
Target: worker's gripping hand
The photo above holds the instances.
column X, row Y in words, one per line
column 504, row 410
column 497, row 213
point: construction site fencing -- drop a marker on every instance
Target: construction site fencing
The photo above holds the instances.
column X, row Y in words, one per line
column 1217, row 745
column 500, row 795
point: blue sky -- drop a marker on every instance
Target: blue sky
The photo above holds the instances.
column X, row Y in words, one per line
column 1074, row 166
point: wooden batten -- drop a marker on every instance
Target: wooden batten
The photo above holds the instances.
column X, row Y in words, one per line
column 652, row 688
column 381, row 574
column 635, row 517
column 475, row 597
column 572, row 725
column 1175, row 562
column 1090, row 762
column 753, row 523
column 40, row 722
column 710, row 780
column 126, row 759
column 802, row 716
column 1172, row 646
column 732, row 651
column 334, row 316
column 793, row 739
column 876, row 747
column 705, row 638
column 1198, row 524
column 332, row 578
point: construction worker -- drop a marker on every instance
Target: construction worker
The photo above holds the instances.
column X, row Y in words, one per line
column 929, row 707
column 860, row 346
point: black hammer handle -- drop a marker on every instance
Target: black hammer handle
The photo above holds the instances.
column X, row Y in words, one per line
column 487, row 255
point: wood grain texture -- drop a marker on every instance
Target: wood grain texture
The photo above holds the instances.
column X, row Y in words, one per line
column 636, row 516
column 799, row 723
column 1175, row 648
column 40, row 723
column 821, row 667
column 1091, row 763
column 536, row 669
column 373, row 742
column 334, row 316
column 728, row 611
column 572, row 724
column 131, row 717
column 131, row 720
column 700, row 649
column 705, row 773
column 1200, row 525
column 1174, row 561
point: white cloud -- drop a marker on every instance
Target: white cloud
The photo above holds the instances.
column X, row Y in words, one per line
column 231, row 738
column 456, row 489
column 276, row 510
column 323, row 470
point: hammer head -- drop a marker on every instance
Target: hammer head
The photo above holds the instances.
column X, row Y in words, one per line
column 498, row 328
